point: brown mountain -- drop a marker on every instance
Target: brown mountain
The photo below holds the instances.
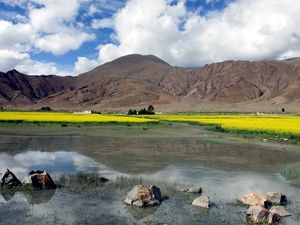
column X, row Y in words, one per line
column 137, row 81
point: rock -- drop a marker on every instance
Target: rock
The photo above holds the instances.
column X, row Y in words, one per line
column 202, row 201
column 277, row 198
column 277, row 213
column 144, row 196
column 93, row 179
column 194, row 190
column 254, row 198
column 9, row 180
column 257, row 214
column 40, row 180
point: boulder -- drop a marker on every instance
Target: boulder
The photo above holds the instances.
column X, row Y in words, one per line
column 202, row 201
column 257, row 214
column 254, row 198
column 194, row 190
column 39, row 180
column 277, row 213
column 9, row 180
column 276, row 198
column 142, row 196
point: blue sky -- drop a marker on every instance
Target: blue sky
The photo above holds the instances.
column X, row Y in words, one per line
column 74, row 36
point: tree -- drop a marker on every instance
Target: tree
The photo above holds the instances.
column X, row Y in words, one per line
column 151, row 109
column 130, row 112
column 46, row 109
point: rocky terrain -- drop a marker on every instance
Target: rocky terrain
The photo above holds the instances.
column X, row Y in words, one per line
column 137, row 81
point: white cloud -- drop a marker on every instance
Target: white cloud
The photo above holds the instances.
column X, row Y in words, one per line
column 20, row 3
column 54, row 16
column 10, row 59
column 59, row 44
column 250, row 30
column 50, row 26
column 103, row 23
column 84, row 64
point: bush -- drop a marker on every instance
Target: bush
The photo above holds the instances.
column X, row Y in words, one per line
column 143, row 111
column 46, row 109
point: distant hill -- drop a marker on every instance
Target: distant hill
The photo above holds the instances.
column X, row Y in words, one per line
column 137, row 81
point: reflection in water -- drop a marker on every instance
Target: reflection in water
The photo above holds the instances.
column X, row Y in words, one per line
column 34, row 197
column 133, row 156
column 140, row 213
column 56, row 163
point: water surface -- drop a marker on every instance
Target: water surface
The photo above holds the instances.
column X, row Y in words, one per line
column 224, row 167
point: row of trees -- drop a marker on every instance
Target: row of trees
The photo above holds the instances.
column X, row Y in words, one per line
column 143, row 111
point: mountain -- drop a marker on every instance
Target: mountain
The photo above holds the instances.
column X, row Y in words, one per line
column 136, row 81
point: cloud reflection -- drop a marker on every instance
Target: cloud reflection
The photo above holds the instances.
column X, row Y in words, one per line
column 55, row 163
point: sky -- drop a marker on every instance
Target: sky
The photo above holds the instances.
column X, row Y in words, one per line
column 70, row 37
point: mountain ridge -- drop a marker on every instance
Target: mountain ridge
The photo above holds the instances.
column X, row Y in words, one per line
column 136, row 80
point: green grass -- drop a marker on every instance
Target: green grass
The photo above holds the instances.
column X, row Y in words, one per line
column 292, row 173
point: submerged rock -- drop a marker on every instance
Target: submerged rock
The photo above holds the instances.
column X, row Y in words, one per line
column 276, row 198
column 9, row 180
column 142, row 196
column 277, row 213
column 257, row 214
column 194, row 190
column 39, row 180
column 254, row 198
column 202, row 201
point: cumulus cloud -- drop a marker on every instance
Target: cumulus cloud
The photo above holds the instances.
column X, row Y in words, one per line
column 50, row 26
column 83, row 64
column 249, row 30
column 243, row 30
column 59, row 44
column 10, row 59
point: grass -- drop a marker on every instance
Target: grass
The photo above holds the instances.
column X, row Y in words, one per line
column 292, row 173
column 78, row 183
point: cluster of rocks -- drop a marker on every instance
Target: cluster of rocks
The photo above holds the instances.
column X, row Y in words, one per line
column 143, row 196
column 265, row 208
column 34, row 180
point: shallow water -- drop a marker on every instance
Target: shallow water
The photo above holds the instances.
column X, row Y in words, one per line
column 224, row 169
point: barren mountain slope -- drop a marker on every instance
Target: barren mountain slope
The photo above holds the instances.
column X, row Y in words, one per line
column 136, row 81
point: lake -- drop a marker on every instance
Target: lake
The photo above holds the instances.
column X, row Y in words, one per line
column 178, row 155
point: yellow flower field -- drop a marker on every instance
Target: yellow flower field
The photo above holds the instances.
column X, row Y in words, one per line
column 264, row 123
column 69, row 117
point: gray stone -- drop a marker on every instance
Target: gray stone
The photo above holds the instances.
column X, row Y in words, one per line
column 142, row 196
column 257, row 214
column 253, row 199
column 9, row 180
column 203, row 201
column 276, row 198
column 39, row 180
column 277, row 213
